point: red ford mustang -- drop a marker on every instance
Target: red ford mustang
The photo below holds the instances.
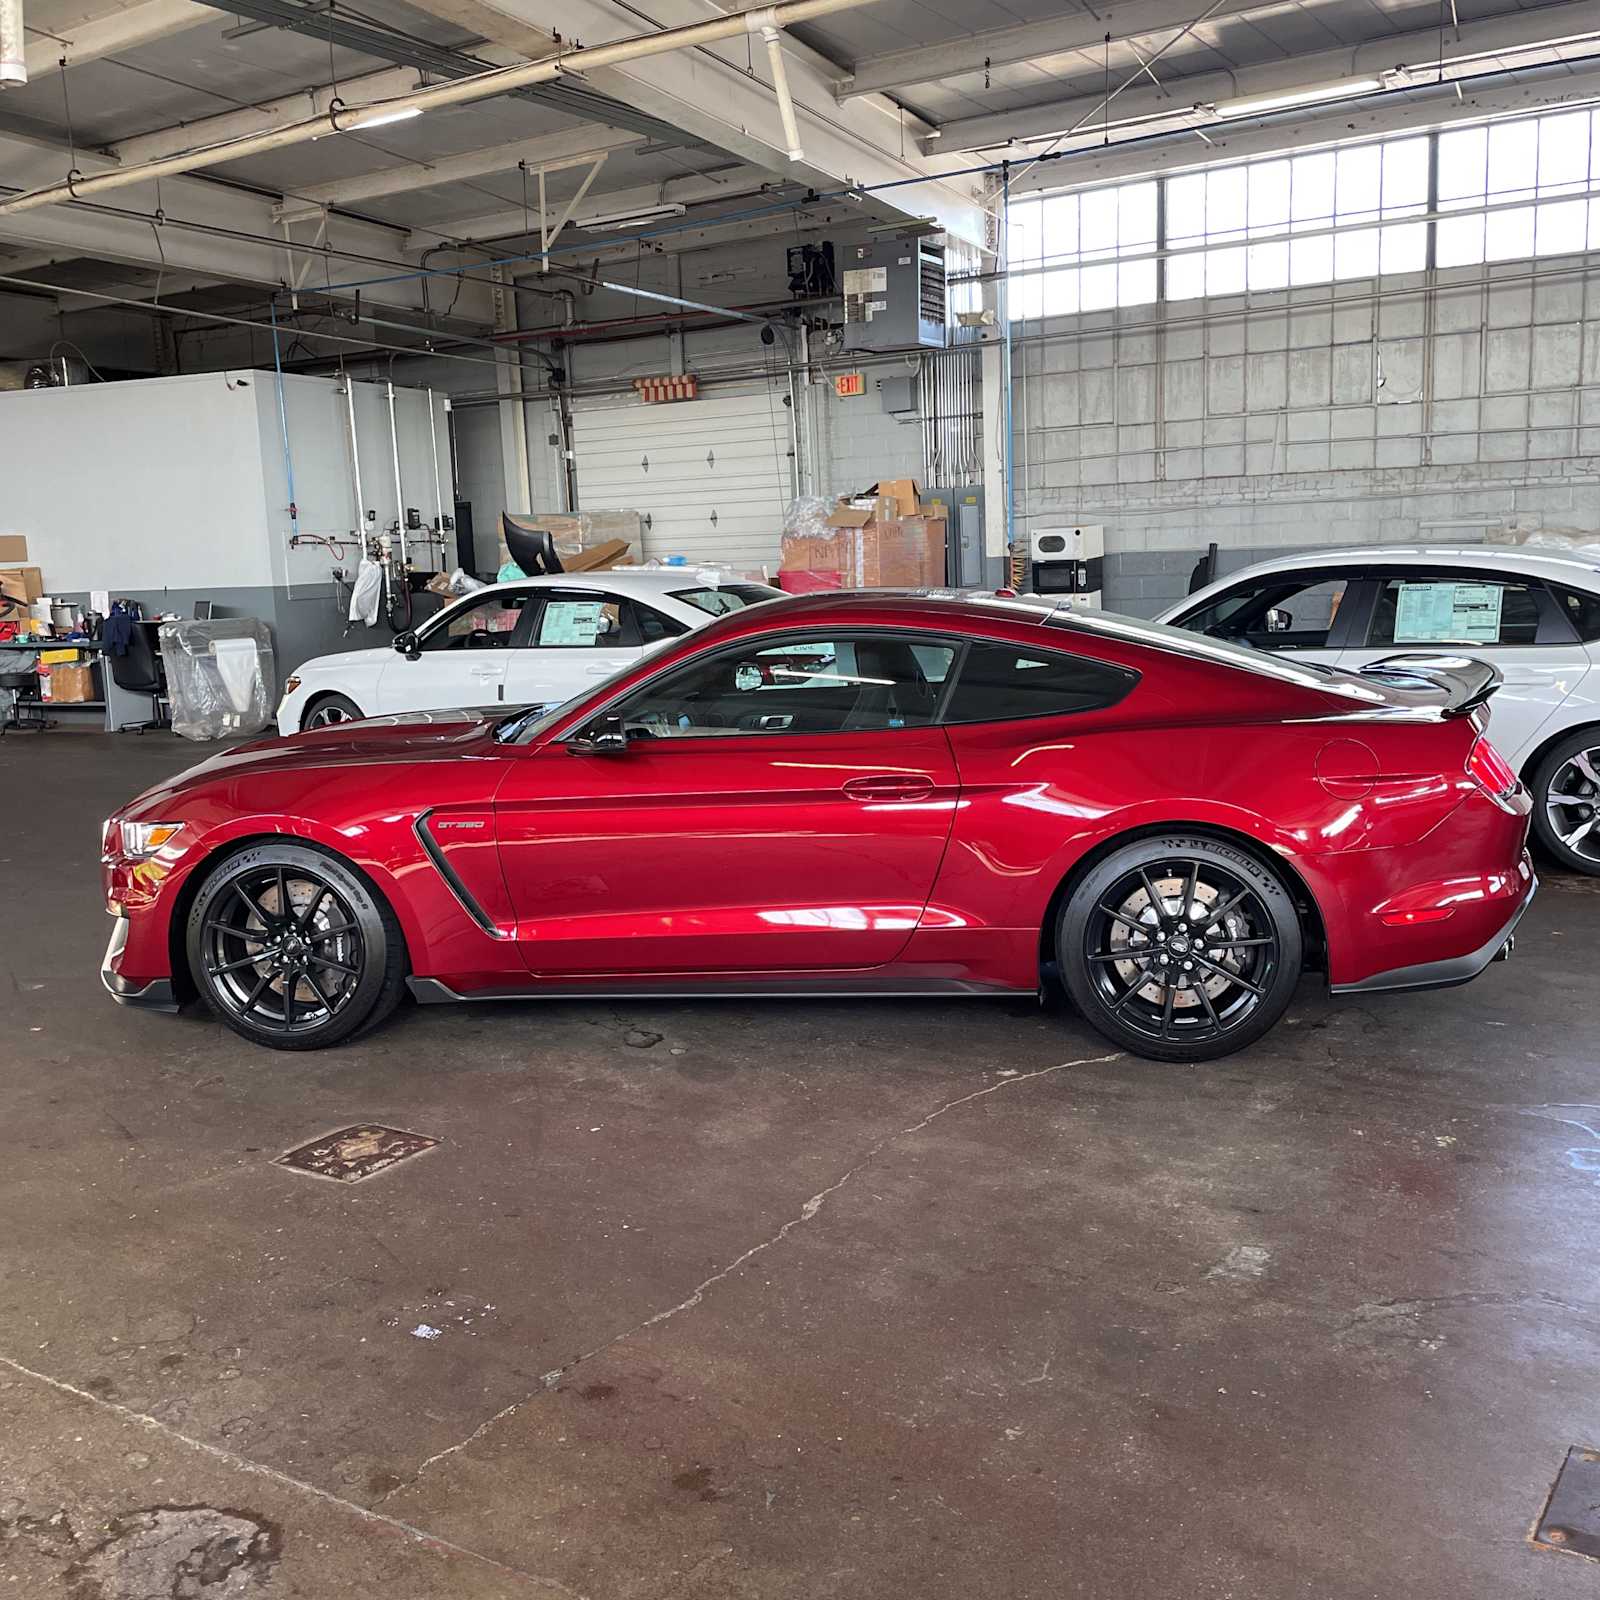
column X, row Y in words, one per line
column 848, row 794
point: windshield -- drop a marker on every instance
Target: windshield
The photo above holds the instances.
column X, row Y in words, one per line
column 726, row 597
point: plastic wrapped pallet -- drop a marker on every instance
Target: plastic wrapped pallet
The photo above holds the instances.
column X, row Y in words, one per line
column 220, row 676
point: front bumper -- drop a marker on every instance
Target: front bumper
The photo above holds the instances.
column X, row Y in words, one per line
column 1446, row 974
column 156, row 994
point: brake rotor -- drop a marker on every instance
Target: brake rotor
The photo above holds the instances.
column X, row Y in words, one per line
column 1139, row 970
column 301, row 894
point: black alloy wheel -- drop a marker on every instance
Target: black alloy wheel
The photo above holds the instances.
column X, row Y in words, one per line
column 329, row 711
column 292, row 948
column 1181, row 949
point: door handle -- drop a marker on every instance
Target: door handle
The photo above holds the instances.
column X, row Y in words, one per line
column 907, row 786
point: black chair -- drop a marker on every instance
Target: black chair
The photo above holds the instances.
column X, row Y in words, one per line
column 19, row 684
column 138, row 671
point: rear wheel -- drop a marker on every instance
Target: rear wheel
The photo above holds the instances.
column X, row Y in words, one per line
column 1566, row 801
column 1181, row 948
column 293, row 949
column 330, row 710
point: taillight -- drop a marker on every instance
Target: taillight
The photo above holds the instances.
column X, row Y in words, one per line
column 1490, row 770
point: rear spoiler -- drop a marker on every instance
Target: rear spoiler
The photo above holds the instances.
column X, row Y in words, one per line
column 1465, row 681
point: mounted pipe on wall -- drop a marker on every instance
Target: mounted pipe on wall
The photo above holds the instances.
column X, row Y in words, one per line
column 13, row 44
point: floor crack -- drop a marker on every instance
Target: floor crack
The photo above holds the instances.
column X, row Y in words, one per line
column 552, row 1379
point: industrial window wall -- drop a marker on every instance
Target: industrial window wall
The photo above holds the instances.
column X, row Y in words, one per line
column 1505, row 191
column 1396, row 340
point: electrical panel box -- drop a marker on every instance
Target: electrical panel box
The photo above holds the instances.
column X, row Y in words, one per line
column 967, row 565
column 894, row 293
column 1069, row 561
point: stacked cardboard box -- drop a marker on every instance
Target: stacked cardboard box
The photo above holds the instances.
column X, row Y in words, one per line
column 18, row 581
column 884, row 538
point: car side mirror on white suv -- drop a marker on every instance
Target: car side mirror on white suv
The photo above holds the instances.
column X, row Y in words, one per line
column 406, row 645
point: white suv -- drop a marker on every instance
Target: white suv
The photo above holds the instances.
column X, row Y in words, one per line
column 534, row 642
column 1533, row 614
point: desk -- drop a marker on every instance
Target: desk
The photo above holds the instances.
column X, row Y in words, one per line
column 121, row 707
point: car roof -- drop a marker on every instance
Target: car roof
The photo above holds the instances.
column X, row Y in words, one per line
column 1557, row 565
column 632, row 580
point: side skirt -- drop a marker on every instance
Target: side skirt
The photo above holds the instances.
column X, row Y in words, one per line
column 431, row 991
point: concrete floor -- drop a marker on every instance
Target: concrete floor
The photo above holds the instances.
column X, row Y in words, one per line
column 779, row 1300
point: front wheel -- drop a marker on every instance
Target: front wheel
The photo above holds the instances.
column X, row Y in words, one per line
column 329, row 711
column 292, row 948
column 1180, row 948
column 1566, row 801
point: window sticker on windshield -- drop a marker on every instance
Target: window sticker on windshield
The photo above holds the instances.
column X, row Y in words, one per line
column 1434, row 613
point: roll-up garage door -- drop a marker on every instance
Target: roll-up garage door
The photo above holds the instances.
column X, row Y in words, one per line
column 711, row 476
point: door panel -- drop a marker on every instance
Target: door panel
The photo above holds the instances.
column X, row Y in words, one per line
column 462, row 659
column 750, row 853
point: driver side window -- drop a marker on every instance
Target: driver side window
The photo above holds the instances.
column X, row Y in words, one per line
column 1277, row 613
column 485, row 626
column 823, row 685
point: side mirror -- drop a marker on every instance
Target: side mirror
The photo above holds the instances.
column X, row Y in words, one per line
column 406, row 645
column 606, row 736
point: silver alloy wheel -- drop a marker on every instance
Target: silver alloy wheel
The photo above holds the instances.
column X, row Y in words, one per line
column 327, row 714
column 1572, row 803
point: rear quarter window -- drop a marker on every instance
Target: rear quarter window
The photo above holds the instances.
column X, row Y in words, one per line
column 1582, row 611
column 1001, row 682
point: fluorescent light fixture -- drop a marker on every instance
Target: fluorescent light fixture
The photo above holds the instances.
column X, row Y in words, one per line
column 1310, row 94
column 631, row 219
column 381, row 116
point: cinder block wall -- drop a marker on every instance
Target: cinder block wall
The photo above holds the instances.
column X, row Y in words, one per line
column 1397, row 410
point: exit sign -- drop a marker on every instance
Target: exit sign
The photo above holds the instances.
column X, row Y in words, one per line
column 849, row 383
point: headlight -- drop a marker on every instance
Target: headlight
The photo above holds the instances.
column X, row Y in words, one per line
column 290, row 684
column 141, row 840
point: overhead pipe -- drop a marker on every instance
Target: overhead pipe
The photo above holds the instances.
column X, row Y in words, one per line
column 768, row 28
column 13, row 44
column 459, row 91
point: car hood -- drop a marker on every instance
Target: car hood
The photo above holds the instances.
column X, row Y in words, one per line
column 412, row 736
column 343, row 660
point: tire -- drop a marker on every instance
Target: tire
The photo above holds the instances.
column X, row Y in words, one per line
column 344, row 947
column 328, row 710
column 1566, row 801
column 1153, row 895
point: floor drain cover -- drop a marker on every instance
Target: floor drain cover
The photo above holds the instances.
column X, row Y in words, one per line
column 1571, row 1519
column 352, row 1154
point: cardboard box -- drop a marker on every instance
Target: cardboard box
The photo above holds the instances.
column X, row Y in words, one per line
column 13, row 550
column 68, row 685
column 903, row 491
column 22, row 583
column 597, row 557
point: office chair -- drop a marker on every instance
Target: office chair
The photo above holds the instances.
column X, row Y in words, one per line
column 138, row 671
column 16, row 684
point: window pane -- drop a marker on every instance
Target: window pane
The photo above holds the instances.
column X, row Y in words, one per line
column 1404, row 247
column 1098, row 287
column 579, row 624
column 1186, row 276
column 1281, row 613
column 487, row 625
column 1269, row 194
column 1136, row 283
column 1561, row 227
column 1002, row 681
column 1312, row 201
column 1355, row 255
column 1510, row 234
column 1098, row 220
column 1058, row 292
column 1186, row 208
column 1311, row 260
column 1136, row 215
column 1356, row 188
column 1564, row 153
column 1225, row 270
column 1023, row 237
column 1462, row 156
column 1441, row 610
column 1458, row 241
column 1226, row 198
column 1513, row 158
column 1405, row 174
column 1060, row 238
column 1583, row 611
column 1269, row 266
column 803, row 686
column 727, row 597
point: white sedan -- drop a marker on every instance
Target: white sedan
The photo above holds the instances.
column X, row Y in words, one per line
column 534, row 642
column 1534, row 614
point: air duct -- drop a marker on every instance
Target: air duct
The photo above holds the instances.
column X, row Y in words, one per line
column 13, row 46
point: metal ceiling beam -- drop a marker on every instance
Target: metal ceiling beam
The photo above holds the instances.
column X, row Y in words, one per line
column 722, row 95
column 109, row 31
column 578, row 146
column 1569, row 31
column 1163, row 155
column 215, row 230
column 297, row 16
column 1033, row 42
